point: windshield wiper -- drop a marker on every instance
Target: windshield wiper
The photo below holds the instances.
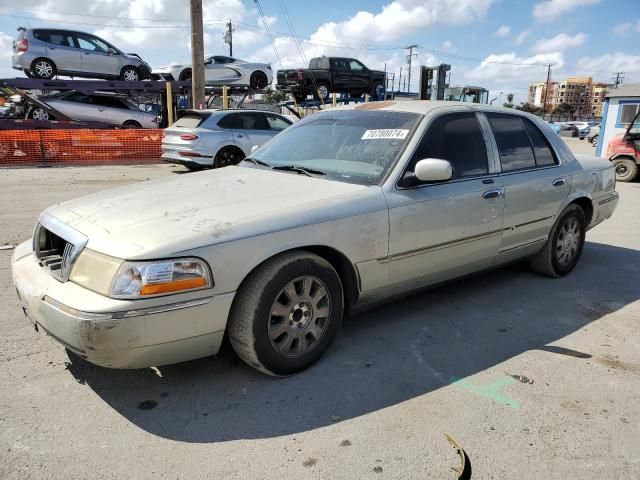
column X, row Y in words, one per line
column 297, row 168
column 257, row 162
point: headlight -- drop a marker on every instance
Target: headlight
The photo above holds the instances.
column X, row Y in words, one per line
column 161, row 277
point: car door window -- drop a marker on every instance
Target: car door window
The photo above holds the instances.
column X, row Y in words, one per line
column 244, row 121
column 514, row 146
column 276, row 123
column 541, row 149
column 108, row 102
column 62, row 39
column 458, row 139
column 87, row 42
column 356, row 66
column 78, row 98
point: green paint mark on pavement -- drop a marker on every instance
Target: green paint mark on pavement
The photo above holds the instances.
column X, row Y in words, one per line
column 492, row 390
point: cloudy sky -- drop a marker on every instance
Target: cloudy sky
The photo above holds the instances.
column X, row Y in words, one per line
column 502, row 45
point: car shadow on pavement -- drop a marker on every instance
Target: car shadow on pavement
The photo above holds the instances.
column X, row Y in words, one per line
column 381, row 358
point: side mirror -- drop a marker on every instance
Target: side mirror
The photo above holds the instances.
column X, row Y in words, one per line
column 254, row 148
column 433, row 170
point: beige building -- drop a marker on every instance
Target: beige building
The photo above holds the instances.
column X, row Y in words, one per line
column 586, row 96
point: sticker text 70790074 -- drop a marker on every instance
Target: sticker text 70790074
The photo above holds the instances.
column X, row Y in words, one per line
column 388, row 133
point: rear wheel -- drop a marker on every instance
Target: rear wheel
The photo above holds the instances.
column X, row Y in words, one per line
column 43, row 68
column 300, row 97
column 322, row 92
column 258, row 81
column 228, row 156
column 563, row 248
column 594, row 141
column 626, row 169
column 131, row 124
column 39, row 114
column 130, row 74
column 286, row 313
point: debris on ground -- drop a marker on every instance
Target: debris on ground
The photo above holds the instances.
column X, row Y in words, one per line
column 7, row 246
column 464, row 471
column 521, row 378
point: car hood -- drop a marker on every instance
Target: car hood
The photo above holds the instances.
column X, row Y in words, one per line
column 159, row 218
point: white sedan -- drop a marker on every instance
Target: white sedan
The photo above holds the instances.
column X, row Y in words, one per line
column 221, row 70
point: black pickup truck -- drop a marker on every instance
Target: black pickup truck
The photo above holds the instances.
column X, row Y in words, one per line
column 327, row 75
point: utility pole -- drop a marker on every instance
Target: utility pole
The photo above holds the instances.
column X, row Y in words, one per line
column 619, row 77
column 409, row 59
column 546, row 89
column 228, row 37
column 197, row 55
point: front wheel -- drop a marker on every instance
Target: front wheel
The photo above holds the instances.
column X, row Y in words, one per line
column 378, row 90
column 39, row 114
column 563, row 248
column 594, row 141
column 258, row 81
column 130, row 74
column 626, row 169
column 286, row 313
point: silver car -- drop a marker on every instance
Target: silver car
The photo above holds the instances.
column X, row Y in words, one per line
column 96, row 107
column 218, row 138
column 46, row 52
column 343, row 210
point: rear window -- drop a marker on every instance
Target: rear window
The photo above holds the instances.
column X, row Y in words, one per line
column 189, row 120
column 513, row 142
column 541, row 148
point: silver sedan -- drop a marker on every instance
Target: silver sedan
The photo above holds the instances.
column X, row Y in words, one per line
column 346, row 209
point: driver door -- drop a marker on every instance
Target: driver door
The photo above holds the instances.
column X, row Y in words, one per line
column 443, row 230
column 216, row 71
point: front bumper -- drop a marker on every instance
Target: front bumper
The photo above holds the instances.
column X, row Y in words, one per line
column 120, row 333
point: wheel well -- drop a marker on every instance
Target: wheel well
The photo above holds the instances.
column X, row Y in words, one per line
column 625, row 156
column 234, row 147
column 129, row 66
column 134, row 123
column 587, row 207
column 346, row 270
column 183, row 73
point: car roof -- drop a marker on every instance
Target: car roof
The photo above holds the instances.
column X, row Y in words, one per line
column 424, row 107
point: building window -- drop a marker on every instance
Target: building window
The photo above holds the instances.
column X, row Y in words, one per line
column 627, row 113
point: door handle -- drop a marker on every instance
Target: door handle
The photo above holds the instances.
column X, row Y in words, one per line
column 239, row 135
column 492, row 194
column 558, row 182
column 101, row 109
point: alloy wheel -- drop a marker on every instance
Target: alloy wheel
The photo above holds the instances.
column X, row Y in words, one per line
column 568, row 241
column 130, row 75
column 40, row 114
column 323, row 91
column 44, row 69
column 299, row 316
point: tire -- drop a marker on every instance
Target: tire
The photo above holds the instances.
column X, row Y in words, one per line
column 626, row 169
column 131, row 124
column 130, row 74
column 323, row 91
column 39, row 114
column 378, row 90
column 258, row 81
column 292, row 341
column 563, row 248
column 185, row 75
column 43, row 68
column 228, row 156
column 594, row 141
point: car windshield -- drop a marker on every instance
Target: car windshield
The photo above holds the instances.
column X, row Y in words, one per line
column 352, row 146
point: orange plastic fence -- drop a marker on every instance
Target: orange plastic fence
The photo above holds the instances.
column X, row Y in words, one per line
column 79, row 147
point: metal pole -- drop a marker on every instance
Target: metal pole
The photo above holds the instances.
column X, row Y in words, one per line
column 410, row 47
column 197, row 54
column 230, row 39
column 546, row 89
column 169, row 105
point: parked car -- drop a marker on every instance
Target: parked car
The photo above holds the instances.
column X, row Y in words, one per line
column 568, row 130
column 624, row 151
column 327, row 75
column 583, row 129
column 221, row 70
column 345, row 209
column 46, row 52
column 593, row 136
column 101, row 107
column 218, row 138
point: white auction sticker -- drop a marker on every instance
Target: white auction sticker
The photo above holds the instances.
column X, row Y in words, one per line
column 394, row 133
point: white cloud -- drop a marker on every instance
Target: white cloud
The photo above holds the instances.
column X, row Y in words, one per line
column 503, row 31
column 6, row 46
column 552, row 9
column 506, row 67
column 448, row 46
column 521, row 37
column 560, row 42
column 603, row 66
column 622, row 29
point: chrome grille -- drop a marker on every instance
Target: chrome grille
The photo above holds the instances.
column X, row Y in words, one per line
column 57, row 246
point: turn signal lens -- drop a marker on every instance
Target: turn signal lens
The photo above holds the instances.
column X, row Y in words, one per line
column 144, row 279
